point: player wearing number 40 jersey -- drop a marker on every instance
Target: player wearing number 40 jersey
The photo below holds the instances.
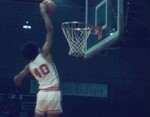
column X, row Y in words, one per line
column 42, row 67
column 45, row 72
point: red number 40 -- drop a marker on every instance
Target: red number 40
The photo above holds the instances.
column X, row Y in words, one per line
column 41, row 71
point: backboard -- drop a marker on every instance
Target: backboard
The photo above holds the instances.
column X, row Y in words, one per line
column 109, row 15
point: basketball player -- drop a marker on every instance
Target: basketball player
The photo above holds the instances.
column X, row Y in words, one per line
column 43, row 69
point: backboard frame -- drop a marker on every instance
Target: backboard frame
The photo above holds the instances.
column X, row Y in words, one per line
column 108, row 41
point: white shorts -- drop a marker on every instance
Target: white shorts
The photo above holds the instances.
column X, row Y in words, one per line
column 48, row 102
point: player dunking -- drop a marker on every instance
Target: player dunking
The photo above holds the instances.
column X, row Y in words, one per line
column 43, row 69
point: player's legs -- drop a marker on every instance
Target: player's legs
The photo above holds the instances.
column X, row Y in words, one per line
column 54, row 107
column 53, row 115
column 37, row 115
column 48, row 102
column 48, row 115
column 40, row 105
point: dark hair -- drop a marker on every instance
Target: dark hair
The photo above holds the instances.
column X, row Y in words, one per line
column 30, row 50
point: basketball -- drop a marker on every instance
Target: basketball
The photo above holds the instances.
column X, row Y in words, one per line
column 51, row 7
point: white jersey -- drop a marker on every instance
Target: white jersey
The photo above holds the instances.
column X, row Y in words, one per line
column 45, row 72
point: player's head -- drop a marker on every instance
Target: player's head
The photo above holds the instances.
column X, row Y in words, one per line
column 30, row 50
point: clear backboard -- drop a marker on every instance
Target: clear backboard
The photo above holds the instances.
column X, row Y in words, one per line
column 109, row 15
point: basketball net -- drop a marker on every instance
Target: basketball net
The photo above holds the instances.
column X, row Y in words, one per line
column 76, row 34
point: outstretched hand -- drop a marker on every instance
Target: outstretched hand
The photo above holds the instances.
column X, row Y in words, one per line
column 17, row 80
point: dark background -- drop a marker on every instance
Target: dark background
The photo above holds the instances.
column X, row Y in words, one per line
column 124, row 67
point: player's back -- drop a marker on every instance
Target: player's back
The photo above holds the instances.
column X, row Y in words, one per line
column 45, row 72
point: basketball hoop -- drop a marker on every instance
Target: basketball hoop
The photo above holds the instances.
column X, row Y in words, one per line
column 76, row 34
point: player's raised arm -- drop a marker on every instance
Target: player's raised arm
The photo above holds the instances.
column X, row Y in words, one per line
column 49, row 28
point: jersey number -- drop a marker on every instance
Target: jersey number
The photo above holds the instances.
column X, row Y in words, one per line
column 41, row 71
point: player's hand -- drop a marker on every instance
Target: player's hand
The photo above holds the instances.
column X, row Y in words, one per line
column 17, row 80
column 43, row 6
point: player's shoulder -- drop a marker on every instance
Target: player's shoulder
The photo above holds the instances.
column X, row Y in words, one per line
column 47, row 57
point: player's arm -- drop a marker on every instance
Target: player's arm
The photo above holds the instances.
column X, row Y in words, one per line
column 18, row 78
column 49, row 29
